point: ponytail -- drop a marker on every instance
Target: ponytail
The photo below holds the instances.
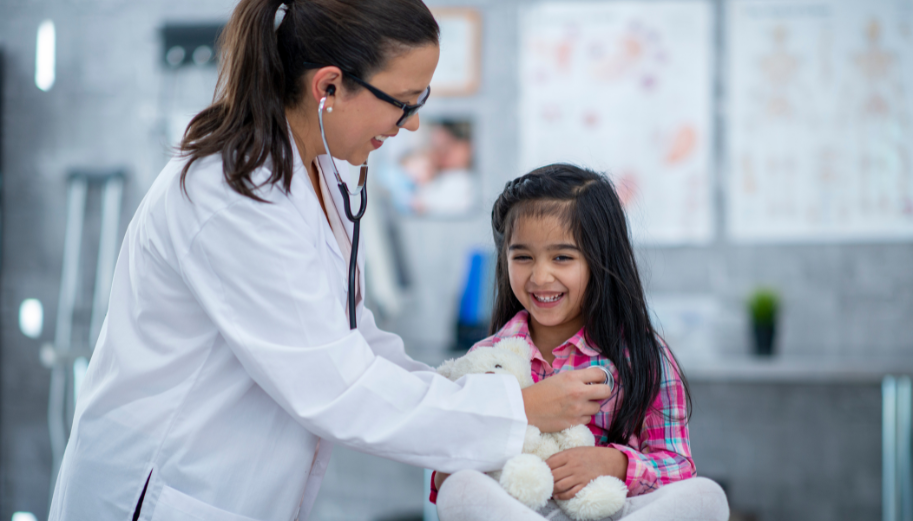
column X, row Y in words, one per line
column 246, row 124
column 261, row 68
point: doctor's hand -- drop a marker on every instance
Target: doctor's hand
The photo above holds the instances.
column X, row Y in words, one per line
column 566, row 399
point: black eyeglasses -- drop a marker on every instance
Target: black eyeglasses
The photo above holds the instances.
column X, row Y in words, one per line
column 408, row 110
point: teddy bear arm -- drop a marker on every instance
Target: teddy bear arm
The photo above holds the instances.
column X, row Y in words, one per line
column 600, row 498
column 528, row 479
column 576, row 436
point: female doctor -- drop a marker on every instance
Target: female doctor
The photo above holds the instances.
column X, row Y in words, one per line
column 226, row 368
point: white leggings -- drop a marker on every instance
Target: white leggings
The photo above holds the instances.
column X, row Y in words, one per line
column 472, row 496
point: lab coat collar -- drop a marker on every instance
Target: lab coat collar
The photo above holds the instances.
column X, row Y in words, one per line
column 306, row 200
column 325, row 165
column 306, row 204
column 325, row 168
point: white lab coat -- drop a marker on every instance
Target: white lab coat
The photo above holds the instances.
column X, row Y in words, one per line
column 226, row 367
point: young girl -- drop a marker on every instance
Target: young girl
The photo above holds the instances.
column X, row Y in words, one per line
column 567, row 281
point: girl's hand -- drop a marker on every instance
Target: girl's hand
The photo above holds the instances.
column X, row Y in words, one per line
column 574, row 468
column 566, row 399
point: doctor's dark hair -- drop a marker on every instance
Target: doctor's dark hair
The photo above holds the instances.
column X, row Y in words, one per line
column 616, row 320
column 261, row 67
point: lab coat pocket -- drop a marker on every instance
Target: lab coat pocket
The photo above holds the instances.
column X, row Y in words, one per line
column 176, row 506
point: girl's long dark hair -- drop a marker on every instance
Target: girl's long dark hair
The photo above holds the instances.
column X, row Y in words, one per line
column 617, row 322
column 261, row 68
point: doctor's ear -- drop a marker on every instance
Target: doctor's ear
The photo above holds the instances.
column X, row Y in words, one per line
column 324, row 83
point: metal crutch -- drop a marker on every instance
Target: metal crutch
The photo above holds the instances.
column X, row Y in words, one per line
column 897, row 437
column 61, row 357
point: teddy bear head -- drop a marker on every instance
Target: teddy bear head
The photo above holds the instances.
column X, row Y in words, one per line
column 509, row 356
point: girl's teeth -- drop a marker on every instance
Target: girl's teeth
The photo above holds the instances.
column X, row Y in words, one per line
column 380, row 138
column 549, row 299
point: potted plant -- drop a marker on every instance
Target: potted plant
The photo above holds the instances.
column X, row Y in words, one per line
column 763, row 306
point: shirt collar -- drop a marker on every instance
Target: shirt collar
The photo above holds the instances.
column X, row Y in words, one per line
column 580, row 343
column 519, row 327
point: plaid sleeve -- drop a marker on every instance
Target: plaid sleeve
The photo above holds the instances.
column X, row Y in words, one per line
column 432, row 497
column 663, row 452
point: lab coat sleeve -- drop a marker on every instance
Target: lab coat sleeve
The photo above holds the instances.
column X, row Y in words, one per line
column 256, row 270
column 386, row 344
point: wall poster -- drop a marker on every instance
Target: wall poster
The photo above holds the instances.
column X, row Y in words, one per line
column 820, row 107
column 459, row 70
column 625, row 88
column 431, row 172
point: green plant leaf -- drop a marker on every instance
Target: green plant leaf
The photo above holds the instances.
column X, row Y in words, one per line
column 763, row 305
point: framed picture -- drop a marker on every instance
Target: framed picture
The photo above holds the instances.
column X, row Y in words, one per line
column 431, row 172
column 459, row 69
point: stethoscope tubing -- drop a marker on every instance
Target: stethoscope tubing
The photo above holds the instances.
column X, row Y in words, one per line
column 347, row 204
column 356, row 229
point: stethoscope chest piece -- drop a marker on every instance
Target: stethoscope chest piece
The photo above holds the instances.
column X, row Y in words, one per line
column 609, row 379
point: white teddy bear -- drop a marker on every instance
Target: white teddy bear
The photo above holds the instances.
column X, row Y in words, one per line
column 527, row 477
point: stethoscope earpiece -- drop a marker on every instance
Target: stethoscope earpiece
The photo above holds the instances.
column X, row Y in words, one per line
column 331, row 90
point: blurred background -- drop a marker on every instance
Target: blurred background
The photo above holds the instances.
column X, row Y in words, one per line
column 764, row 151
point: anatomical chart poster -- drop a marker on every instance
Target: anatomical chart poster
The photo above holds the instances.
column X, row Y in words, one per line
column 625, row 88
column 820, row 111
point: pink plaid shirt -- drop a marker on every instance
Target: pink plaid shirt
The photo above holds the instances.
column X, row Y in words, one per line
column 660, row 452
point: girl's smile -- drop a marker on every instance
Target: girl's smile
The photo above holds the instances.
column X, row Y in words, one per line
column 548, row 275
column 547, row 301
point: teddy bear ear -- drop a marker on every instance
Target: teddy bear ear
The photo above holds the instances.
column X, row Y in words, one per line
column 446, row 369
column 515, row 345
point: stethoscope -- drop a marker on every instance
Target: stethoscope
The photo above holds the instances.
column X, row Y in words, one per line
column 347, row 204
column 609, row 379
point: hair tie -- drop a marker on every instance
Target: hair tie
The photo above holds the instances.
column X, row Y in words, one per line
column 280, row 13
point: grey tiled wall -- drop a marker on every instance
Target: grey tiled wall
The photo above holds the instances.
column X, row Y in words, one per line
column 792, row 451
column 103, row 112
